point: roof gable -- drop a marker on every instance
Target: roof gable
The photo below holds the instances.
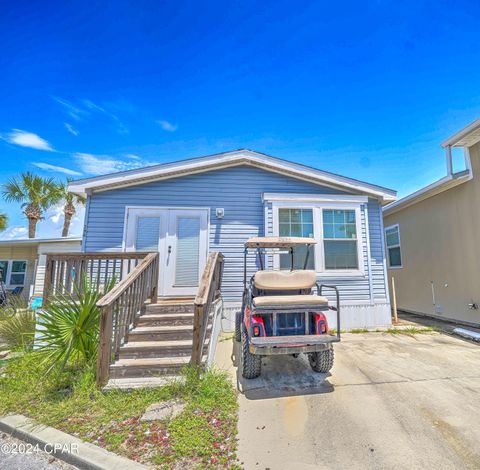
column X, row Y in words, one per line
column 227, row 160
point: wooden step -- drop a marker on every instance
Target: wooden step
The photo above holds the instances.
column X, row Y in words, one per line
column 160, row 333
column 164, row 307
column 148, row 367
column 139, row 349
column 167, row 319
column 132, row 383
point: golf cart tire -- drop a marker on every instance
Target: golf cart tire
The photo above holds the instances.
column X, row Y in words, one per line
column 251, row 363
column 238, row 326
column 321, row 361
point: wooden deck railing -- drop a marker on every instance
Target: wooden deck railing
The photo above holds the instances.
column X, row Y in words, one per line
column 64, row 271
column 120, row 309
column 208, row 292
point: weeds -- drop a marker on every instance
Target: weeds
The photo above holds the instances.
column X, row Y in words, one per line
column 202, row 436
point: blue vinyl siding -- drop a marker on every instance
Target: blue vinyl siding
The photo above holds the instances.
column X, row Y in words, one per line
column 239, row 191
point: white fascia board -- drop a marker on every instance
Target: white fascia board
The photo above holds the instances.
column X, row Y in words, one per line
column 456, row 139
column 295, row 197
column 241, row 157
column 431, row 190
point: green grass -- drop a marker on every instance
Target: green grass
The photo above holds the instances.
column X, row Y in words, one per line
column 411, row 330
column 359, row 330
column 202, row 436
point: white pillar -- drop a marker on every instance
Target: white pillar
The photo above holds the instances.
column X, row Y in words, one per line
column 448, row 152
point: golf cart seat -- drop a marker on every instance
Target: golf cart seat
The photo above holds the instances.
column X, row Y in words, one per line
column 290, row 301
column 290, row 289
column 295, row 280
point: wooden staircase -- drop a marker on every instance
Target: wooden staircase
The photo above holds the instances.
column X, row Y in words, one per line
column 158, row 347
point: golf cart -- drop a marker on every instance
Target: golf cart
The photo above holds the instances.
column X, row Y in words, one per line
column 280, row 312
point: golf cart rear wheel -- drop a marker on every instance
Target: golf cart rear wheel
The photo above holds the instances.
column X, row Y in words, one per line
column 251, row 364
column 321, row 361
column 238, row 326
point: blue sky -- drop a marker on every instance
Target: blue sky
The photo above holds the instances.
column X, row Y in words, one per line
column 367, row 89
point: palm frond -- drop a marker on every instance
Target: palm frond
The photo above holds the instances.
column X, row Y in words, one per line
column 71, row 325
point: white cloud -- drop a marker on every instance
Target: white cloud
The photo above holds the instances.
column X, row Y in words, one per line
column 167, row 126
column 14, row 232
column 83, row 109
column 28, row 139
column 52, row 225
column 57, row 169
column 70, row 128
column 73, row 111
column 103, row 164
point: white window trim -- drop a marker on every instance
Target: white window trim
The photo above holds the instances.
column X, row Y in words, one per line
column 317, row 205
column 8, row 275
column 400, row 266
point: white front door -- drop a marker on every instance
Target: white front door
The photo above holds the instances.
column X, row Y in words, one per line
column 181, row 238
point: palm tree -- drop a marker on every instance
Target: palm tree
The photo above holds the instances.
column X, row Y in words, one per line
column 3, row 221
column 35, row 193
column 69, row 208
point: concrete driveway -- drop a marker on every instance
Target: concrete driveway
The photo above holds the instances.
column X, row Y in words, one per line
column 390, row 401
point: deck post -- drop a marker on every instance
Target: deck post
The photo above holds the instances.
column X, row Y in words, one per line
column 197, row 335
column 105, row 345
column 155, row 277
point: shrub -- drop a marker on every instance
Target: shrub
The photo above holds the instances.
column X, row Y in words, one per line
column 70, row 325
column 17, row 331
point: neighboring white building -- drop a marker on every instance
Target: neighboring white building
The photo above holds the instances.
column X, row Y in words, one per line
column 22, row 262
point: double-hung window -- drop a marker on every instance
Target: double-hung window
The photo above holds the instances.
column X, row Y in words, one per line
column 334, row 223
column 340, row 239
column 13, row 272
column 392, row 236
column 296, row 223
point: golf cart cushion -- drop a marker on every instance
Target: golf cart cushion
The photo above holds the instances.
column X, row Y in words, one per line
column 285, row 280
column 289, row 300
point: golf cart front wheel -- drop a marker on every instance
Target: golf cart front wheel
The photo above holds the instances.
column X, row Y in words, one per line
column 321, row 361
column 238, row 326
column 251, row 363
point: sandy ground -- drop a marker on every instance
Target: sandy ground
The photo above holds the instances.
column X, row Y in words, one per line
column 390, row 401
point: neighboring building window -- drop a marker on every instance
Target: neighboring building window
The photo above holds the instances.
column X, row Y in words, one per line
column 17, row 273
column 340, row 239
column 13, row 272
column 392, row 235
column 296, row 223
column 3, row 271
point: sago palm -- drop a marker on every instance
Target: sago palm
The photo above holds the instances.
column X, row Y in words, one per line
column 3, row 221
column 69, row 208
column 36, row 194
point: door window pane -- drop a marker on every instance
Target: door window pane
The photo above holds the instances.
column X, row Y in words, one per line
column 148, row 233
column 296, row 223
column 188, row 252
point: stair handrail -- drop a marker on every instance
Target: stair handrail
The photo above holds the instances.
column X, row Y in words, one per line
column 208, row 291
column 120, row 309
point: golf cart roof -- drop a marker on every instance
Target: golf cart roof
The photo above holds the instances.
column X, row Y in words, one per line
column 278, row 242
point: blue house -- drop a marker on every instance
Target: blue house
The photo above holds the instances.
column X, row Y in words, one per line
column 188, row 208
